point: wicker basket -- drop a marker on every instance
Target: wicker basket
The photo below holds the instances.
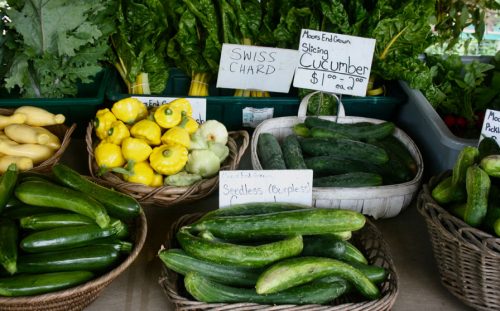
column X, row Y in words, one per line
column 468, row 259
column 368, row 239
column 78, row 297
column 169, row 195
column 61, row 131
column 379, row 202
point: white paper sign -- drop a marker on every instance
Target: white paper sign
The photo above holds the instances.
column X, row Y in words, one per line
column 334, row 63
column 199, row 105
column 249, row 67
column 245, row 186
column 491, row 125
column 251, row 117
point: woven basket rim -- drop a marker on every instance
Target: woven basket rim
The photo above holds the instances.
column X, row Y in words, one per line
column 390, row 288
column 169, row 195
column 95, row 285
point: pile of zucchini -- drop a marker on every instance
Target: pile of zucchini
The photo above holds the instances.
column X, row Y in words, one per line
column 273, row 253
column 340, row 154
column 59, row 230
column 472, row 191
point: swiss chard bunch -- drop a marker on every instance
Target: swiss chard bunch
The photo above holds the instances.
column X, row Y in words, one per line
column 50, row 46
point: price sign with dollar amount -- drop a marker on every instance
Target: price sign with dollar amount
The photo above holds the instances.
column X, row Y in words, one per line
column 334, row 63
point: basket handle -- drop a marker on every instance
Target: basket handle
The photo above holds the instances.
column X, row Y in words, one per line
column 305, row 102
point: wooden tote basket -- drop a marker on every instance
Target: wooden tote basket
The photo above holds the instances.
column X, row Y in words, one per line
column 381, row 201
column 468, row 259
column 168, row 195
column 369, row 240
column 79, row 297
column 60, row 130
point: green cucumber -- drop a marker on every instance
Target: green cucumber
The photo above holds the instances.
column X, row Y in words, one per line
column 477, row 185
column 357, row 132
column 487, row 146
column 95, row 258
column 303, row 222
column 34, row 284
column 344, row 149
column 239, row 255
column 349, row 180
column 206, row 290
column 332, row 247
column 300, row 129
column 466, row 157
column 395, row 170
column 321, row 132
column 53, row 220
column 67, row 237
column 51, row 195
column 254, row 208
column 446, row 192
column 330, row 165
column 491, row 165
column 292, row 153
column 374, row 273
column 7, row 184
column 119, row 205
column 8, row 244
column 292, row 272
column 393, row 144
column 269, row 152
column 182, row 263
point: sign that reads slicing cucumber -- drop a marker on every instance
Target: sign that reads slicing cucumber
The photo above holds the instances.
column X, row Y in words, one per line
column 334, row 63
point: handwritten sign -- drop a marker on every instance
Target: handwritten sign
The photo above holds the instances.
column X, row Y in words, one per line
column 199, row 105
column 491, row 125
column 335, row 63
column 245, row 186
column 248, row 67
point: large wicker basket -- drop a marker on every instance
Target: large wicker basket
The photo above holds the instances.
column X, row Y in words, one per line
column 380, row 202
column 168, row 195
column 61, row 131
column 369, row 240
column 78, row 297
column 468, row 259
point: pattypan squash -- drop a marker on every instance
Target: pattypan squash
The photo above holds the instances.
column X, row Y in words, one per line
column 129, row 110
column 117, row 132
column 108, row 156
column 102, row 122
column 167, row 117
column 176, row 135
column 136, row 149
column 147, row 130
column 182, row 105
column 139, row 172
column 168, row 159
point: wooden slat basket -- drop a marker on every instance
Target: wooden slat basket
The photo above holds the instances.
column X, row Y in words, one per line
column 369, row 240
column 468, row 258
column 380, row 202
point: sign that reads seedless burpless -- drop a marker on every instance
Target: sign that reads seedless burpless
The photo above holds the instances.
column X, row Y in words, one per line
column 491, row 125
column 334, row 63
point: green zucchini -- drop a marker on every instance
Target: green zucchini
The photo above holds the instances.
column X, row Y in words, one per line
column 349, row 180
column 122, row 246
column 330, row 246
column 344, row 149
column 239, row 255
column 96, row 258
column 446, row 192
column 17, row 212
column 34, row 284
column 466, row 157
column 477, row 186
column 53, row 220
column 7, row 184
column 206, row 290
column 269, row 152
column 13, row 202
column 356, row 132
column 292, row 272
column 292, row 153
column 8, row 244
column 182, row 263
column 303, row 222
column 119, row 205
column 51, row 195
column 67, row 237
column 491, row 165
column 254, row 208
column 487, row 146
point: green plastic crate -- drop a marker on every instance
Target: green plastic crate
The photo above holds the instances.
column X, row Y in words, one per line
column 79, row 109
column 228, row 109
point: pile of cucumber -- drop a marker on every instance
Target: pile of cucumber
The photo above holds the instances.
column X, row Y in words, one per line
column 273, row 253
column 340, row 154
column 472, row 191
column 59, row 230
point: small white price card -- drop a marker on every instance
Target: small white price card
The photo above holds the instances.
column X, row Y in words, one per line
column 245, row 186
column 251, row 117
column 199, row 105
column 249, row 67
column 334, row 63
column 491, row 125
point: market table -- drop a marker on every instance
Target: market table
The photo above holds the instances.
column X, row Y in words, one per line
column 138, row 289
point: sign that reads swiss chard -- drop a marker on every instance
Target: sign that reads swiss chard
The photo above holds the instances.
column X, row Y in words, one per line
column 491, row 125
column 334, row 63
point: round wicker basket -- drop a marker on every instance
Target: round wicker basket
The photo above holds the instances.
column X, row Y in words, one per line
column 78, row 297
column 62, row 131
column 468, row 258
column 169, row 195
column 369, row 240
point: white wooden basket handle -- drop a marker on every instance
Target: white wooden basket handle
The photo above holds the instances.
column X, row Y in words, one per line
column 305, row 101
